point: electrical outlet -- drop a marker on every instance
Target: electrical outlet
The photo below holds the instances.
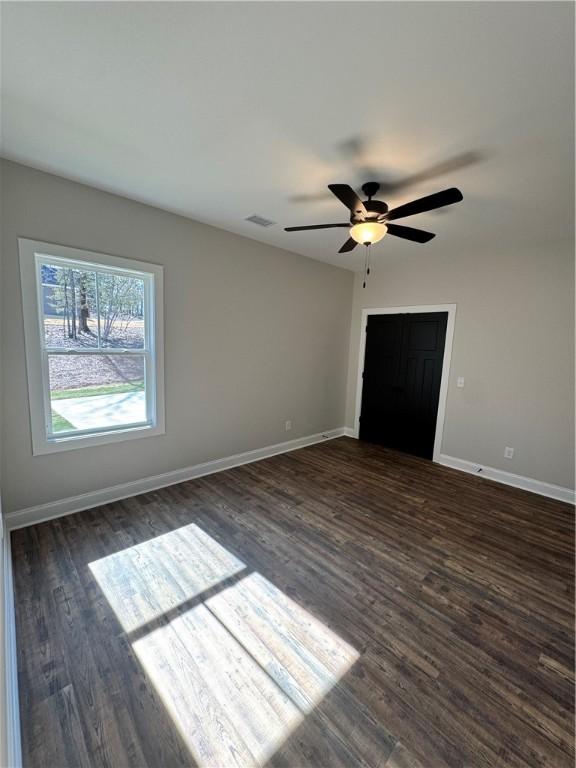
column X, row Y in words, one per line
column 508, row 453
column 288, row 426
column 460, row 382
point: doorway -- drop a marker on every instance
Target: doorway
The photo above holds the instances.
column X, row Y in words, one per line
column 403, row 377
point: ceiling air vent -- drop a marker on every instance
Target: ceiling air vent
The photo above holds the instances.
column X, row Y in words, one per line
column 260, row 220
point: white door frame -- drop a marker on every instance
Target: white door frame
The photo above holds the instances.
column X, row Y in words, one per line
column 451, row 310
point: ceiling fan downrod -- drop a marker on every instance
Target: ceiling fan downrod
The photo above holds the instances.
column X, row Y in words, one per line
column 370, row 188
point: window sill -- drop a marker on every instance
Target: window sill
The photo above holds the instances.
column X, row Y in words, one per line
column 70, row 442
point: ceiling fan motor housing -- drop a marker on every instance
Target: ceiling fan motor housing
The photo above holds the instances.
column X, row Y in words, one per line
column 375, row 208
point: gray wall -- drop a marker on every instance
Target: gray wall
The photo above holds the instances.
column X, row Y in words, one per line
column 256, row 335
column 253, row 336
column 513, row 343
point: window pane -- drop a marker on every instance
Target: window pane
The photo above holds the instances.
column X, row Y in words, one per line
column 69, row 307
column 121, row 302
column 96, row 391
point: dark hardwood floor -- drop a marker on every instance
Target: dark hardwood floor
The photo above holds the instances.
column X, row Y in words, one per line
column 342, row 605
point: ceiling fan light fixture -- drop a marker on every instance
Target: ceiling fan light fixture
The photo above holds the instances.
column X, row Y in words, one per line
column 368, row 232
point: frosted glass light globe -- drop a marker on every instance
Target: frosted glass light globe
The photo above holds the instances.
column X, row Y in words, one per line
column 368, row 232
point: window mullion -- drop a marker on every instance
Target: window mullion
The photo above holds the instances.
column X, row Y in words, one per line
column 149, row 392
column 97, row 274
column 45, row 375
column 89, row 351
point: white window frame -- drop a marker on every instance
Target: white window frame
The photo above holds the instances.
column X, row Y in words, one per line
column 32, row 254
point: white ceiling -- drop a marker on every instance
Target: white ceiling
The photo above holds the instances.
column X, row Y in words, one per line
column 222, row 110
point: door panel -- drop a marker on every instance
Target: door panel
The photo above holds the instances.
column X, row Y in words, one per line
column 401, row 380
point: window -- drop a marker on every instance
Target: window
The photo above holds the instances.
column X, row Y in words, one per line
column 93, row 333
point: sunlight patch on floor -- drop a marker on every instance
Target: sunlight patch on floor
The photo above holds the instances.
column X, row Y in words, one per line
column 241, row 668
column 147, row 580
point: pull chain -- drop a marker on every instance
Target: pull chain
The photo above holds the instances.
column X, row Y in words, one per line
column 366, row 264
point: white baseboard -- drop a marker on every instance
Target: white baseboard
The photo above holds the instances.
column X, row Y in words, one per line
column 498, row 475
column 12, row 747
column 38, row 514
column 508, row 478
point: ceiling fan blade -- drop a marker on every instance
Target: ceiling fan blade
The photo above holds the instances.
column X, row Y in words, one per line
column 346, row 195
column 409, row 233
column 315, row 226
column 429, row 203
column 440, row 169
column 349, row 245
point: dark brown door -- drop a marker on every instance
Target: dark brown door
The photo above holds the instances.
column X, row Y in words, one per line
column 401, row 380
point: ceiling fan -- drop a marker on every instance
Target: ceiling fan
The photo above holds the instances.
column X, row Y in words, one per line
column 370, row 220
